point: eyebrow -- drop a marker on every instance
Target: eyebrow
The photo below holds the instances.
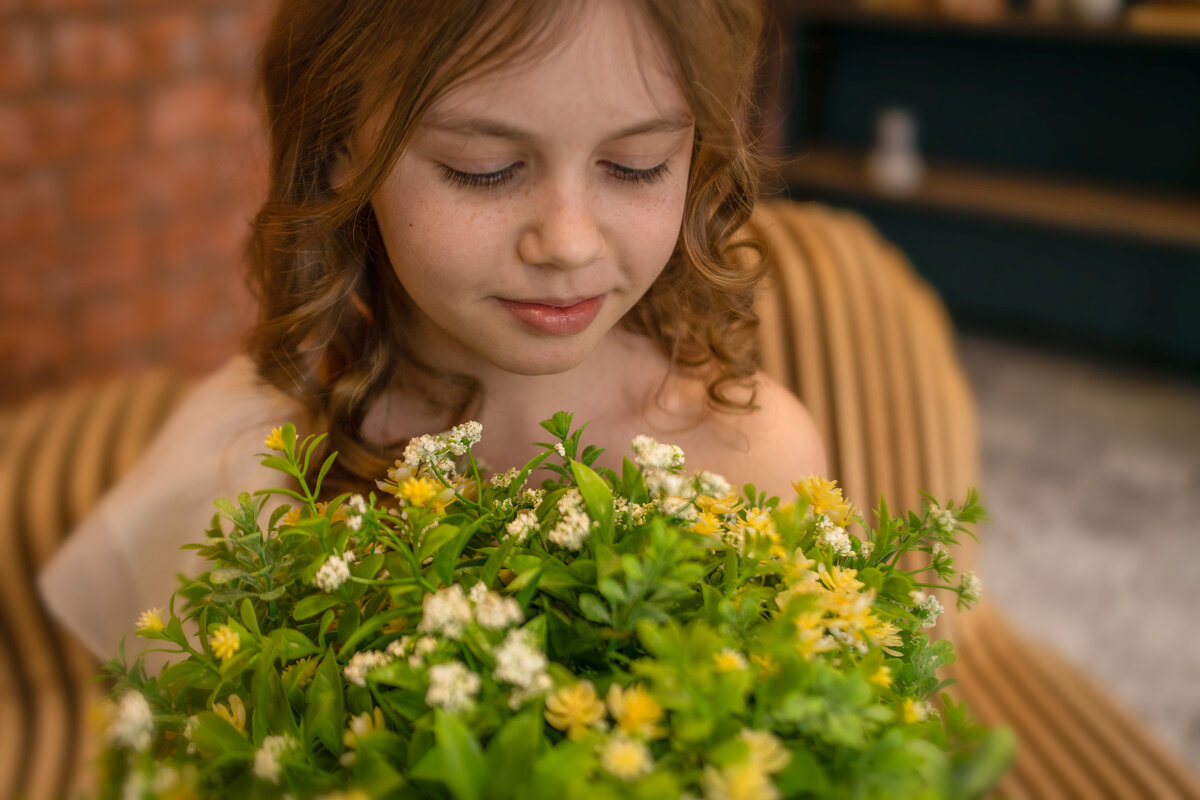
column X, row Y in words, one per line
column 487, row 127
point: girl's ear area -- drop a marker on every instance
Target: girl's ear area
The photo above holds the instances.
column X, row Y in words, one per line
column 340, row 169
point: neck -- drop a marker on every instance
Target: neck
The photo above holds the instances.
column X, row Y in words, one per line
column 611, row 389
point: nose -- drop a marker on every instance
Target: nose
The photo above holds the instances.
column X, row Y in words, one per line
column 563, row 231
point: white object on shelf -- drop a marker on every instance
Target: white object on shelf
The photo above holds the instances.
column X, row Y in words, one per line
column 1098, row 12
column 894, row 166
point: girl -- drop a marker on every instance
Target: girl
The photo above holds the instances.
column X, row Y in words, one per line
column 487, row 209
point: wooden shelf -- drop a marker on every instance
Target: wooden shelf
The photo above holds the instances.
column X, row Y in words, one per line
column 1091, row 208
column 846, row 12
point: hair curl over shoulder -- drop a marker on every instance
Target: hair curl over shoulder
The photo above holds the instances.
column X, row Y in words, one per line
column 315, row 258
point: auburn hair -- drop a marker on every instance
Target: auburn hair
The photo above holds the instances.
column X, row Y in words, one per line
column 316, row 262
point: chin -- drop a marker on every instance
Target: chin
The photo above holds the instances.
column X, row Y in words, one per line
column 553, row 361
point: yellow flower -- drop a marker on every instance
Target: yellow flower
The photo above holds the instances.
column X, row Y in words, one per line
column 225, row 642
column 626, row 758
column 825, row 497
column 275, row 440
column 574, row 709
column 767, row 753
column 914, row 711
column 738, row 782
column 882, row 676
column 150, row 621
column 729, row 661
column 718, row 505
column 418, row 491
column 707, row 524
column 884, row 635
column 305, row 669
column 361, row 726
column 636, row 711
column 837, row 579
column 766, row 665
column 234, row 713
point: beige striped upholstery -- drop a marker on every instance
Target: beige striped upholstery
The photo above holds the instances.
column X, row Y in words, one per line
column 847, row 325
column 59, row 454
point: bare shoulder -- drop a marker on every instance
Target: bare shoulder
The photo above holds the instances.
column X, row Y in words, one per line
column 770, row 446
column 784, row 444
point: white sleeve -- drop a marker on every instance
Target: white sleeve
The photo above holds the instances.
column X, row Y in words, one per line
column 124, row 558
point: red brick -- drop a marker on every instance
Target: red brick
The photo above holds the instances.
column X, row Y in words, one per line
column 63, row 128
column 105, row 191
column 91, row 52
column 178, row 181
column 117, row 258
column 171, row 43
column 21, row 61
column 236, row 35
column 192, row 111
column 30, row 207
column 17, row 134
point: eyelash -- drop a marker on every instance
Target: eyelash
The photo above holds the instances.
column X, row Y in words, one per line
column 492, row 180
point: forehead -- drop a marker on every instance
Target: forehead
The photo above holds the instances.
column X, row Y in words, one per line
column 606, row 61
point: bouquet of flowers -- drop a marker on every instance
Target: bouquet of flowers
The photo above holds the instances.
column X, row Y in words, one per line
column 647, row 634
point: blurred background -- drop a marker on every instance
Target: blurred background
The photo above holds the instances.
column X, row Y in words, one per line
column 1038, row 161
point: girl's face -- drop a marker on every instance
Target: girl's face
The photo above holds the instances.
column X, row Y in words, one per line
column 537, row 202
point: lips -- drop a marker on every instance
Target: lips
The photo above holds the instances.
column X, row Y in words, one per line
column 551, row 317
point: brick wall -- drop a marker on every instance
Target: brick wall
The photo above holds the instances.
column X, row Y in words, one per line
column 131, row 160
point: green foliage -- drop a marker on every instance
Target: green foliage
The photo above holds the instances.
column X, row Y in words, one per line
column 641, row 634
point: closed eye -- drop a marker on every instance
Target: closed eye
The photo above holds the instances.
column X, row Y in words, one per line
column 480, row 180
column 640, row 176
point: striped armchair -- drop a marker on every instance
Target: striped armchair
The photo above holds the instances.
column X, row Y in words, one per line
column 847, row 325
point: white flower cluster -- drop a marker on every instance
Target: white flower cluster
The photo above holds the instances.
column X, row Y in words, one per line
column 649, row 454
column 558, row 448
column 502, row 480
column 525, row 523
column 677, row 506
column 452, row 686
column 439, row 450
column 833, row 536
column 267, row 764
column 529, row 498
column 926, row 608
column 970, row 588
column 574, row 524
column 630, row 514
column 362, row 663
column 712, row 484
column 941, row 561
column 133, row 726
column 421, row 648
column 446, row 611
column 334, row 572
column 358, row 507
column 524, row 666
column 494, row 611
column 943, row 519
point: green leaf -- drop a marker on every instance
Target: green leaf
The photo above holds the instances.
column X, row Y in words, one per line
column 433, row 540
column 214, row 736
column 325, row 712
column 594, row 609
column 272, row 713
column 250, row 619
column 462, row 758
column 510, row 754
column 314, row 604
column 597, row 496
column 291, row 644
column 371, row 626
